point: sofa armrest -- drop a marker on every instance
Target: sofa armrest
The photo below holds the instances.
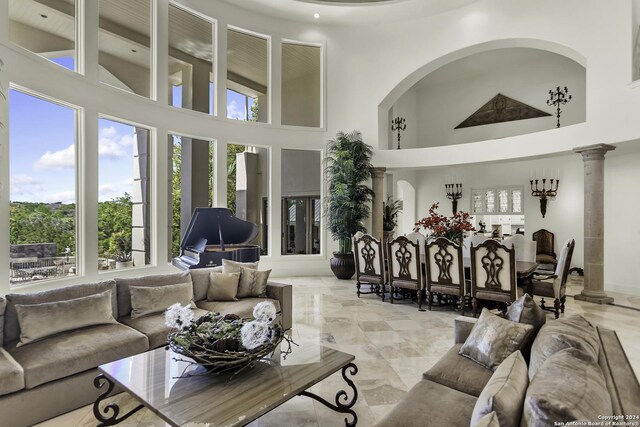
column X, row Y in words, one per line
column 462, row 328
column 3, row 305
column 283, row 293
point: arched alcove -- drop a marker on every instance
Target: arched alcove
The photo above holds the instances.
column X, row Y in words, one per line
column 439, row 96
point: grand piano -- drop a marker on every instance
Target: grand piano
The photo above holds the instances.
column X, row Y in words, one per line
column 215, row 234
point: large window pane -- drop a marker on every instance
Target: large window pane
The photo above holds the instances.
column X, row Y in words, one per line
column 190, row 186
column 301, row 94
column 42, row 184
column 125, row 45
column 190, row 61
column 301, row 208
column 248, row 188
column 124, row 184
column 47, row 28
column 247, row 77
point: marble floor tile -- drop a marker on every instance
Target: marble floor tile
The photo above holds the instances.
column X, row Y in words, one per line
column 393, row 345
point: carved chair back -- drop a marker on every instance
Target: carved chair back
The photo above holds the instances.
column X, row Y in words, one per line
column 493, row 272
column 444, row 267
column 564, row 263
column 369, row 257
column 545, row 242
column 405, row 269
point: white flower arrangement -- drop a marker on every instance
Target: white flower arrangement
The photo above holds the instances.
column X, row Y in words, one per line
column 178, row 317
column 264, row 312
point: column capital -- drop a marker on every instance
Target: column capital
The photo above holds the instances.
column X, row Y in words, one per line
column 594, row 152
column 378, row 172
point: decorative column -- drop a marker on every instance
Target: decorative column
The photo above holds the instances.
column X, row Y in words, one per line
column 377, row 184
column 593, row 157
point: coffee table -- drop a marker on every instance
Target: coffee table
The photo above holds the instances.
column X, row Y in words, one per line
column 158, row 380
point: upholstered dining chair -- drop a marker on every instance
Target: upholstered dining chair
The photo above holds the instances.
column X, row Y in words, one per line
column 369, row 258
column 405, row 270
column 545, row 242
column 419, row 239
column 493, row 274
column 525, row 249
column 554, row 285
column 444, row 271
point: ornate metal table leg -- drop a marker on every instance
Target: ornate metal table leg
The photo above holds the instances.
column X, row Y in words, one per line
column 106, row 419
column 343, row 404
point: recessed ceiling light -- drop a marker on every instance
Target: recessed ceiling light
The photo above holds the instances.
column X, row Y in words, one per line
column 316, row 15
column 133, row 50
column 42, row 15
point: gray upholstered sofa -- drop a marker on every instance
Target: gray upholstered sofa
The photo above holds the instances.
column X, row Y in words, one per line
column 448, row 392
column 54, row 375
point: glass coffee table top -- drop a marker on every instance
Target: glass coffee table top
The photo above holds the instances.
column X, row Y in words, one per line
column 186, row 395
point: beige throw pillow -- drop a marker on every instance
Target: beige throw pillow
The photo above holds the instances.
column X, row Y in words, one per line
column 229, row 266
column 489, row 420
column 492, row 339
column 253, row 283
column 38, row 321
column 553, row 397
column 504, row 393
column 156, row 299
column 223, row 286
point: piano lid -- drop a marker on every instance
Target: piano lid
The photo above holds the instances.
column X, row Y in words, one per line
column 212, row 224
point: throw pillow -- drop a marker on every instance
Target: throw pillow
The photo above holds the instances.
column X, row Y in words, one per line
column 223, row 286
column 39, row 321
column 504, row 393
column 489, row 420
column 553, row 397
column 253, row 283
column 525, row 310
column 492, row 339
column 156, row 299
column 568, row 332
column 229, row 266
column 200, row 277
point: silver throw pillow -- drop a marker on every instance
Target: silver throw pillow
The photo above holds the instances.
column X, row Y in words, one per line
column 156, row 299
column 493, row 339
column 253, row 283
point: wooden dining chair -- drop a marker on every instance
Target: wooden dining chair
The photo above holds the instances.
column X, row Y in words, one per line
column 545, row 244
column 493, row 274
column 405, row 270
column 369, row 258
column 444, row 271
column 554, row 285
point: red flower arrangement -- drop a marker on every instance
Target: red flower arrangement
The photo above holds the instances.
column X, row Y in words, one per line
column 440, row 226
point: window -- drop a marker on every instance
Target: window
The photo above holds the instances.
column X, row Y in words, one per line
column 247, row 76
column 45, row 28
column 124, row 41
column 124, row 202
column 301, row 207
column 184, row 197
column 248, row 187
column 42, row 185
column 190, row 60
column 301, row 88
column 241, row 107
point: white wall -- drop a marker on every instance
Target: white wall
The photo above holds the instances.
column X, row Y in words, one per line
column 440, row 107
column 564, row 215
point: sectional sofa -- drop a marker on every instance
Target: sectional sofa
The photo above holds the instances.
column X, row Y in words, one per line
column 54, row 375
column 599, row 386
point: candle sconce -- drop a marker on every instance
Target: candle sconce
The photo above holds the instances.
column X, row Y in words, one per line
column 398, row 124
column 454, row 192
column 544, row 193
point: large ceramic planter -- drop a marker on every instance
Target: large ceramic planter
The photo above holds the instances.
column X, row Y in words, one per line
column 343, row 265
column 387, row 235
column 123, row 264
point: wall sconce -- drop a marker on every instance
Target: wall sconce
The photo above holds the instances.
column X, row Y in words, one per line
column 557, row 98
column 398, row 124
column 454, row 192
column 545, row 193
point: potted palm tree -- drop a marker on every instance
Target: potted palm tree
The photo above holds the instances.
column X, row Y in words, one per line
column 391, row 210
column 348, row 167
